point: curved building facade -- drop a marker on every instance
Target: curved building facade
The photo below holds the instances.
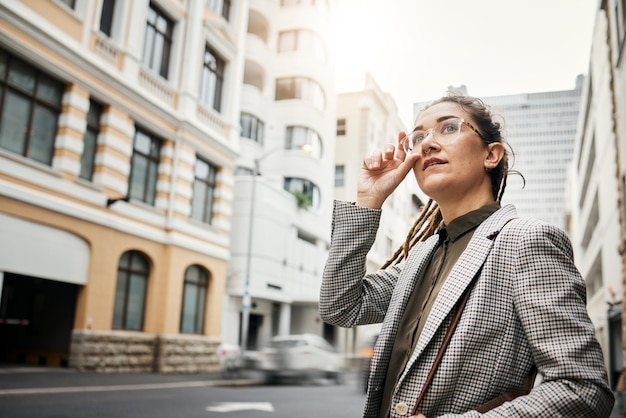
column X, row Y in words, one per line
column 283, row 190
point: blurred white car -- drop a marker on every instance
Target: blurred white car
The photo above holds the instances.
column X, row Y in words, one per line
column 301, row 357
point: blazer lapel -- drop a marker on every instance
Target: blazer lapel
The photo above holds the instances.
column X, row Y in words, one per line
column 416, row 262
column 468, row 265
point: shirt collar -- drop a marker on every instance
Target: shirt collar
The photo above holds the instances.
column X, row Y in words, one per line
column 469, row 221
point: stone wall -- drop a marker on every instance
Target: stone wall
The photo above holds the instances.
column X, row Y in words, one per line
column 181, row 353
column 137, row 352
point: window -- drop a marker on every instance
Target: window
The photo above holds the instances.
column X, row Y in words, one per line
column 339, row 175
column 300, row 88
column 341, row 126
column 620, row 21
column 144, row 167
column 106, row 16
column 203, row 191
column 158, row 41
column 130, row 291
column 212, row 80
column 252, row 127
column 70, row 3
column 221, row 7
column 30, row 104
column 302, row 40
column 307, row 193
column 194, row 300
column 302, row 138
column 90, row 141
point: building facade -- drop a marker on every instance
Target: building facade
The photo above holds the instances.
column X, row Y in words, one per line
column 597, row 191
column 119, row 131
column 284, row 175
column 368, row 119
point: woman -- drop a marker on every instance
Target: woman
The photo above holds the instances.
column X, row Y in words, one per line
column 526, row 305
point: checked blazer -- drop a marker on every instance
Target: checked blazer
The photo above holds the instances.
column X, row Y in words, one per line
column 527, row 308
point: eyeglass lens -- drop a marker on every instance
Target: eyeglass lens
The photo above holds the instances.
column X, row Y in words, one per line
column 444, row 133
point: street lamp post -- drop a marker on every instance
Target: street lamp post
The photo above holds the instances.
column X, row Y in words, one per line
column 246, row 299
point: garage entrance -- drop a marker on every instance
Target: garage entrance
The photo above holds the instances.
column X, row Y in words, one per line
column 36, row 320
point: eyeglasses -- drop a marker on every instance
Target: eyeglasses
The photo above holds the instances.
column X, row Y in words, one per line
column 444, row 133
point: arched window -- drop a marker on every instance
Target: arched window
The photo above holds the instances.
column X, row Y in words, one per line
column 194, row 300
column 130, row 292
column 306, row 192
column 301, row 137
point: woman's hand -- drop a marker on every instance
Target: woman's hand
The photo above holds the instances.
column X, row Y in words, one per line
column 417, row 416
column 382, row 172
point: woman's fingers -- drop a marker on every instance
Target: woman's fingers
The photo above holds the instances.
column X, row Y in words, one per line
column 400, row 154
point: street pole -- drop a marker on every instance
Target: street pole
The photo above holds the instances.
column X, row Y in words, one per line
column 246, row 299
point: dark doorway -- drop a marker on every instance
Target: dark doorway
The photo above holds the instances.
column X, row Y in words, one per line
column 615, row 344
column 254, row 324
column 36, row 320
column 329, row 334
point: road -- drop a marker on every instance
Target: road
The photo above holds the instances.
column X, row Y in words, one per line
column 63, row 393
column 58, row 394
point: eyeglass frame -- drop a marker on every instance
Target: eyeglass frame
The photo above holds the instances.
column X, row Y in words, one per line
column 430, row 132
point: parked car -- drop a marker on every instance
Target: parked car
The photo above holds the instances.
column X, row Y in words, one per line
column 300, row 357
column 366, row 353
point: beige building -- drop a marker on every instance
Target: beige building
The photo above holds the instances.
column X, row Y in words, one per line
column 367, row 119
column 119, row 128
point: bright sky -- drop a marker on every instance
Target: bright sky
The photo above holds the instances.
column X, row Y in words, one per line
column 415, row 49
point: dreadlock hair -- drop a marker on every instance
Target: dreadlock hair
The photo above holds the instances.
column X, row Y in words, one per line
column 430, row 219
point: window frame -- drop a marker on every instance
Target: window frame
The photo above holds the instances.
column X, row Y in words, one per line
column 131, row 272
column 152, row 35
column 252, row 127
column 300, row 88
column 92, row 131
column 209, row 188
column 201, row 284
column 307, row 187
column 311, row 137
column 30, row 95
column 212, row 79
column 148, row 193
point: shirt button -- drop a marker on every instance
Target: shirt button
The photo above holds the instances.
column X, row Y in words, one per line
column 402, row 408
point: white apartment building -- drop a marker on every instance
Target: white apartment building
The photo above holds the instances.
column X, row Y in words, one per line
column 119, row 130
column 596, row 201
column 368, row 119
column 283, row 190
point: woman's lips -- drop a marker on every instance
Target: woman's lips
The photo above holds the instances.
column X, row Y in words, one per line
column 431, row 162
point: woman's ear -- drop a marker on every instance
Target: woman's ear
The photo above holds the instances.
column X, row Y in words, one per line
column 495, row 153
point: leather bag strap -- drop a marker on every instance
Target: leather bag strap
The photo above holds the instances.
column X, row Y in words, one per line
column 487, row 406
column 446, row 339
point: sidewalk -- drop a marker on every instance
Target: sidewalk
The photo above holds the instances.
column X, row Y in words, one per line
column 24, row 380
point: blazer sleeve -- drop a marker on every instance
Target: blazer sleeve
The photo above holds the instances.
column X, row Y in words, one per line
column 550, row 301
column 349, row 296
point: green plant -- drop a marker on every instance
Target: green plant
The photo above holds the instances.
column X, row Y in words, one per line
column 303, row 200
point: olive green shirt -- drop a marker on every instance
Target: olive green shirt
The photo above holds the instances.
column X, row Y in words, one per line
column 453, row 240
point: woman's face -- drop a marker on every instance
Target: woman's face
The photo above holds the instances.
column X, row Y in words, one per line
column 455, row 171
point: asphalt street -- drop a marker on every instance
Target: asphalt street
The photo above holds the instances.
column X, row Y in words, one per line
column 57, row 392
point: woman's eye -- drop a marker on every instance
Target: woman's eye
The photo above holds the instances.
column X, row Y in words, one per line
column 419, row 137
column 449, row 128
